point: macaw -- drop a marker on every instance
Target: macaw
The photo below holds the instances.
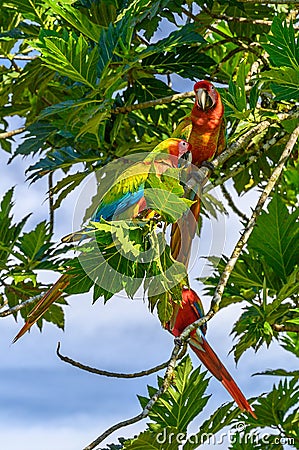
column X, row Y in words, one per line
column 191, row 309
column 126, row 196
column 204, row 128
column 125, row 199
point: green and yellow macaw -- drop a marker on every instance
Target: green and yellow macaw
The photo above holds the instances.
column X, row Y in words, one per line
column 125, row 199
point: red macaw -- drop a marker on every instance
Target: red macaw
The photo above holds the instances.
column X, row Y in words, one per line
column 204, row 128
column 191, row 310
column 125, row 197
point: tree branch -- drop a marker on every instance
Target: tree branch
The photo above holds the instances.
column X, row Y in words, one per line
column 168, row 377
column 14, row 309
column 19, row 57
column 251, row 223
column 9, row 134
column 290, row 327
column 238, row 168
column 106, row 373
column 158, row 101
column 237, row 19
column 241, row 143
column 184, row 336
column 244, row 140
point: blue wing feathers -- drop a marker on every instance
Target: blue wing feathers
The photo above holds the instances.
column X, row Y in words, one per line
column 119, row 206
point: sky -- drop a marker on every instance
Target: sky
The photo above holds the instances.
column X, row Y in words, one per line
column 46, row 404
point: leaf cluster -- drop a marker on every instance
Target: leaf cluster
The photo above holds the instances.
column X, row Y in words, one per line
column 266, row 278
column 23, row 255
column 91, row 80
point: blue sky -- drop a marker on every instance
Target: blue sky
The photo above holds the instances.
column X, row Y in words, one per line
column 46, row 404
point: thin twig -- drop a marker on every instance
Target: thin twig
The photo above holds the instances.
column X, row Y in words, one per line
column 231, row 203
column 251, row 223
column 17, row 308
column 115, row 427
column 244, row 140
column 15, row 65
column 158, row 101
column 184, row 336
column 106, row 373
column 19, row 57
column 235, row 147
column 51, row 203
column 9, row 134
column 234, row 40
column 238, row 168
column 238, row 19
column 168, row 377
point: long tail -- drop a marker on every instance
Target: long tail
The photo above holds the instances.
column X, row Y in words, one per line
column 182, row 234
column 43, row 305
column 209, row 358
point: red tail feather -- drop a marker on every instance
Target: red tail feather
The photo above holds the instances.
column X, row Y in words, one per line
column 189, row 312
column 43, row 305
column 209, row 358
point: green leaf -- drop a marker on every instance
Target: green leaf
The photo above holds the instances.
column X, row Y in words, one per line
column 147, row 89
column 9, row 232
column 291, row 286
column 109, row 41
column 62, row 158
column 188, row 62
column 254, row 327
column 70, row 56
column 76, row 19
column 284, row 48
column 279, row 373
column 54, row 315
column 32, row 10
column 290, row 342
column 183, row 401
column 150, row 440
column 276, row 238
column 161, row 195
column 39, row 133
column 273, row 408
column 218, row 420
column 35, row 244
column 164, row 308
column 284, row 82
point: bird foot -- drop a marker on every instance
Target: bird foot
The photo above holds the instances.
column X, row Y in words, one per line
column 178, row 341
column 209, row 165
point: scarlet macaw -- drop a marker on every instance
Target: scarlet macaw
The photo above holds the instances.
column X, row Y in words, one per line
column 204, row 128
column 125, row 196
column 191, row 310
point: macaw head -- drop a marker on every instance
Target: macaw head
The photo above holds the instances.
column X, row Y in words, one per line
column 183, row 148
column 206, row 95
column 173, row 146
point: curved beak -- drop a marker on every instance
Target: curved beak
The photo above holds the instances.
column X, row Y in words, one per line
column 204, row 100
column 187, row 159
